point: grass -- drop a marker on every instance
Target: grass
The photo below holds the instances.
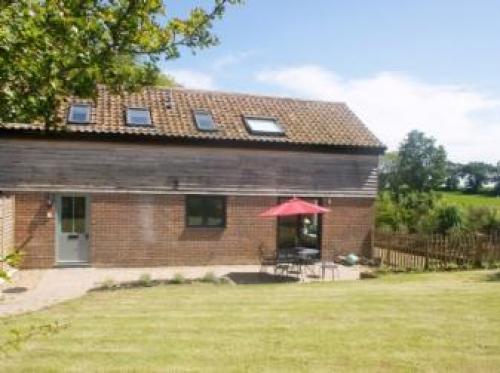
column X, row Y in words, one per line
column 471, row 199
column 411, row 322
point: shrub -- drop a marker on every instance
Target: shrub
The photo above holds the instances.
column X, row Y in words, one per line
column 406, row 211
column 448, row 217
column 225, row 280
column 108, row 284
column 387, row 215
column 365, row 275
column 210, row 277
column 178, row 279
column 145, row 280
column 483, row 219
column 452, row 267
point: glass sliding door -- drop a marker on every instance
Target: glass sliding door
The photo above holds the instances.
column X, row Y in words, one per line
column 299, row 231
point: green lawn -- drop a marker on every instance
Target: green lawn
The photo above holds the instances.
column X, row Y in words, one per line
column 471, row 199
column 417, row 322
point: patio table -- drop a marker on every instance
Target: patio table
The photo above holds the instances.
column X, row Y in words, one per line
column 303, row 258
column 306, row 252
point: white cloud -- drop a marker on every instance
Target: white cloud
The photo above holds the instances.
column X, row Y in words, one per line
column 464, row 120
column 232, row 58
column 192, row 79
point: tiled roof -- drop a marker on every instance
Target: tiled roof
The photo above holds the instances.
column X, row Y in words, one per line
column 304, row 122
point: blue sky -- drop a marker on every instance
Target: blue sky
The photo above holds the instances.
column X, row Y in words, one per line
column 429, row 65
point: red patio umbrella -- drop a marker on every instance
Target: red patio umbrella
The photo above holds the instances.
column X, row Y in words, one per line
column 294, row 206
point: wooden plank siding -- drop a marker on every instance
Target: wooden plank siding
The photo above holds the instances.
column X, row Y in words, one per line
column 94, row 166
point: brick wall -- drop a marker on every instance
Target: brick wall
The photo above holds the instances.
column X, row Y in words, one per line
column 6, row 224
column 131, row 230
column 348, row 227
column 35, row 232
column 149, row 230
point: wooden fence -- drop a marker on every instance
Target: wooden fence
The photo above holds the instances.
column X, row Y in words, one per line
column 421, row 252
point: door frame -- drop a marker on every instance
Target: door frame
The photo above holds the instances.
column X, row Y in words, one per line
column 57, row 203
column 279, row 200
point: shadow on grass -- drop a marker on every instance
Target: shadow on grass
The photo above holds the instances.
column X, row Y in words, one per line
column 493, row 277
column 249, row 278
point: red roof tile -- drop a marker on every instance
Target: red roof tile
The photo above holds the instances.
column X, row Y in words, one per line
column 304, row 122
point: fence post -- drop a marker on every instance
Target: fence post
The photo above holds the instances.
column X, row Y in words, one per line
column 481, row 244
column 426, row 262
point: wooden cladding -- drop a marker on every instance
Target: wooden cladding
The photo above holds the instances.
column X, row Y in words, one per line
column 51, row 165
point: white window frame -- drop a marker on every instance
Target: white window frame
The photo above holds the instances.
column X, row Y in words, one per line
column 204, row 112
column 280, row 131
column 142, row 109
column 71, row 113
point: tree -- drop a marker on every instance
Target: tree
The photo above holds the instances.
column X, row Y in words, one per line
column 496, row 189
column 12, row 260
column 52, row 49
column 164, row 80
column 476, row 174
column 387, row 169
column 453, row 172
column 421, row 165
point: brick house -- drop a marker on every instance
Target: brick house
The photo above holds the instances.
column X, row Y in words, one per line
column 179, row 177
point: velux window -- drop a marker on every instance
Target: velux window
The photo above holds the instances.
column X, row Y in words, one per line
column 205, row 211
column 263, row 126
column 204, row 120
column 138, row 117
column 79, row 114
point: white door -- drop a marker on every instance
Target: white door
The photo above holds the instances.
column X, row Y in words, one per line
column 72, row 229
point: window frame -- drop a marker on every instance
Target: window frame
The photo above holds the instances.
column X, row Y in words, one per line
column 206, row 112
column 203, row 225
column 263, row 133
column 70, row 113
column 138, row 108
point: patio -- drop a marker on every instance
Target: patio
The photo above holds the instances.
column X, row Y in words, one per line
column 32, row 290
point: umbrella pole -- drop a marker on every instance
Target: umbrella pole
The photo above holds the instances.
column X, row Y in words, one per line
column 297, row 230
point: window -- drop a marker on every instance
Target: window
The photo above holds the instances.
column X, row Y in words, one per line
column 204, row 120
column 79, row 113
column 263, row 126
column 73, row 215
column 206, row 211
column 138, row 117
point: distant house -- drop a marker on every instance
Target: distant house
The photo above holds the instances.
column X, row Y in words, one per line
column 179, row 177
column 490, row 182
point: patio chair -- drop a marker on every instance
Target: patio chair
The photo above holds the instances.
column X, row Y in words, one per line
column 331, row 265
column 268, row 260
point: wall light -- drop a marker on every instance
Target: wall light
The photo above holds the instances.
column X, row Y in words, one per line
column 50, row 206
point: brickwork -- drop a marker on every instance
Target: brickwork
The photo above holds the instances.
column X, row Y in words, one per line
column 348, row 227
column 149, row 230
column 35, row 231
column 132, row 230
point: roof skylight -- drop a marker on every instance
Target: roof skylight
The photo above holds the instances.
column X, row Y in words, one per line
column 79, row 114
column 263, row 126
column 204, row 120
column 138, row 117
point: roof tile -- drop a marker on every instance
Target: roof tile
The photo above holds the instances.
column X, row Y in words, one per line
column 304, row 122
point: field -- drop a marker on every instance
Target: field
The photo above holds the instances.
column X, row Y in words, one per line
column 412, row 322
column 471, row 199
